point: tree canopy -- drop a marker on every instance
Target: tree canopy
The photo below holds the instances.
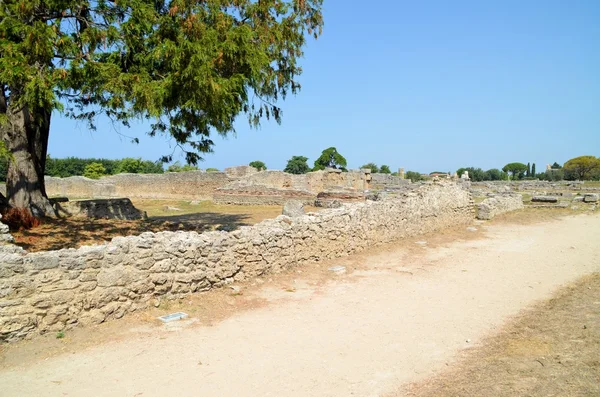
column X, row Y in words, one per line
column 515, row 169
column 188, row 66
column 582, row 167
column 385, row 169
column 330, row 158
column 371, row 166
column 297, row 165
column 259, row 165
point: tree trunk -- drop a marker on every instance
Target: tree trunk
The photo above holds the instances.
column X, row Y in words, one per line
column 26, row 138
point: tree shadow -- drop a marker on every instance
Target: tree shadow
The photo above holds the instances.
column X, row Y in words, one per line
column 55, row 234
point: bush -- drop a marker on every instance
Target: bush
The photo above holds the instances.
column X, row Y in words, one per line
column 385, row 169
column 177, row 167
column 212, row 170
column 20, row 218
column 94, row 171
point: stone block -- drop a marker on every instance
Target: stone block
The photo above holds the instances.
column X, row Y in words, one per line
column 590, row 198
column 544, row 199
column 293, row 208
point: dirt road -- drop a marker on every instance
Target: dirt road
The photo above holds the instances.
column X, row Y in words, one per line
column 395, row 317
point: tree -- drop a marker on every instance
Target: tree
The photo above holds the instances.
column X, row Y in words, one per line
column 385, row 169
column 259, row 165
column 94, row 171
column 533, row 170
column 528, row 172
column 371, row 166
column 189, row 67
column 515, row 169
column 556, row 166
column 494, row 174
column 297, row 165
column 581, row 167
column 330, row 158
column 413, row 176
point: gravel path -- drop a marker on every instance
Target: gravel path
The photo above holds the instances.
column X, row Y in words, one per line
column 397, row 316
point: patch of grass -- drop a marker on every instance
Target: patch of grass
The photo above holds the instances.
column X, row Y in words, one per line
column 60, row 335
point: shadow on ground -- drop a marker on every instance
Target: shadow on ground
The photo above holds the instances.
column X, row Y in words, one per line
column 55, row 234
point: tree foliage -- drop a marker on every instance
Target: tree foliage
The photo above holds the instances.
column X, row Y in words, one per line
column 385, row 169
column 533, row 170
column 94, row 171
column 189, row 67
column 581, row 168
column 259, row 165
column 517, row 170
column 413, row 176
column 330, row 158
column 371, row 166
column 297, row 165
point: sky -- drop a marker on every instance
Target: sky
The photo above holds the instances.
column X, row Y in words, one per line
column 423, row 85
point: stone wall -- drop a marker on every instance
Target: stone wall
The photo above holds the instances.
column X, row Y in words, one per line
column 51, row 291
column 100, row 209
column 192, row 185
column 388, row 182
column 499, row 204
column 276, row 187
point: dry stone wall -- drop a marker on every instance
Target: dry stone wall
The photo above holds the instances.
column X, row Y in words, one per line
column 51, row 291
column 276, row 187
column 193, row 185
column 499, row 204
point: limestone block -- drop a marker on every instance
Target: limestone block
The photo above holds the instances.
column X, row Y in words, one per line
column 293, row 208
column 544, row 199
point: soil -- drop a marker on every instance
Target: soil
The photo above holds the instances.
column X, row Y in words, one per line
column 400, row 320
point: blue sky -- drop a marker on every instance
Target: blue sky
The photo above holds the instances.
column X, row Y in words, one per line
column 424, row 85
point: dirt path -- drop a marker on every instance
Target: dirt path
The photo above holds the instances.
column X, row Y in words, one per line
column 396, row 317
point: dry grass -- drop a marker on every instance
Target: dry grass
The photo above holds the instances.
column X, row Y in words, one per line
column 551, row 350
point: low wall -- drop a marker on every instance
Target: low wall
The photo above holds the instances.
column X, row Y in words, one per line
column 276, row 187
column 51, row 291
column 191, row 185
column 499, row 204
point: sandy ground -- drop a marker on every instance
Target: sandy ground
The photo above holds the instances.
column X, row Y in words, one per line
column 398, row 315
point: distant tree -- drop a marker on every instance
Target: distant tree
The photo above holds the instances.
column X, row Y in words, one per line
column 556, row 166
column 475, row 174
column 372, row 166
column 130, row 165
column 528, row 172
column 212, row 170
column 552, row 175
column 297, row 165
column 515, row 169
column 385, row 169
column 413, row 176
column 259, row 165
column 494, row 174
column 94, row 171
column 533, row 170
column 581, row 167
column 177, row 167
column 330, row 158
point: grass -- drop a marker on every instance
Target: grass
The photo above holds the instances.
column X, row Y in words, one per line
column 551, row 350
column 60, row 335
